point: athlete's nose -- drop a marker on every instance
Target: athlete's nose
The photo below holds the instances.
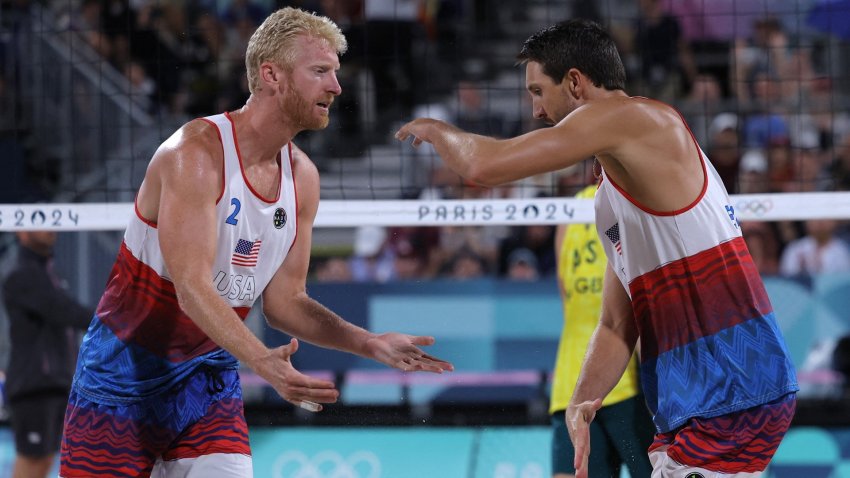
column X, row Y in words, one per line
column 335, row 87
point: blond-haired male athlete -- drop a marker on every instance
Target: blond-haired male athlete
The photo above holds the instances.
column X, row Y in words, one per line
column 223, row 216
column 714, row 366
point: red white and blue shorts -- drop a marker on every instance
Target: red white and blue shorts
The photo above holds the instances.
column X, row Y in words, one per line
column 199, row 425
column 739, row 444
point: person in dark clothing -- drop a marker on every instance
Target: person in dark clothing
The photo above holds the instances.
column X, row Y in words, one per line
column 43, row 320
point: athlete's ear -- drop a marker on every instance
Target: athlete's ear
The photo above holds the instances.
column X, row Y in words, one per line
column 575, row 83
column 270, row 75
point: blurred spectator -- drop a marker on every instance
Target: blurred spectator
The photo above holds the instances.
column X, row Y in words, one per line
column 702, row 105
column 522, row 265
column 724, row 149
column 465, row 265
column 753, row 173
column 766, row 125
column 459, row 242
column 840, row 165
column 809, row 165
column 764, row 249
column 414, row 249
column 43, row 324
column 333, row 269
column 781, row 166
column 372, row 260
column 241, row 10
column 539, row 239
column 764, row 55
column 142, row 87
column 87, row 22
column 819, row 251
column 389, row 29
column 665, row 63
column 471, row 111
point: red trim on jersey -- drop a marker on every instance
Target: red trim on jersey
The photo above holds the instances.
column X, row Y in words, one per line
column 242, row 167
column 141, row 307
column 139, row 214
column 223, row 162
column 697, row 296
column 704, row 176
column 295, row 191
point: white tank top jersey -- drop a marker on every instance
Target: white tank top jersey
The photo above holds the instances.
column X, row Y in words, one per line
column 141, row 342
column 664, row 237
column 710, row 344
column 254, row 233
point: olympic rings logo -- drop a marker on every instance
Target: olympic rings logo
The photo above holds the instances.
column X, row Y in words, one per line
column 327, row 464
column 755, row 207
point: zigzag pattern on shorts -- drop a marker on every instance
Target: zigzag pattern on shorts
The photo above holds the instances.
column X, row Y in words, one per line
column 742, row 442
column 202, row 415
column 109, row 446
column 216, row 432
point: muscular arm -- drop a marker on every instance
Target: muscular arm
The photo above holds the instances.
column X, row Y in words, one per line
column 190, row 182
column 489, row 161
column 611, row 345
column 608, row 355
column 286, row 305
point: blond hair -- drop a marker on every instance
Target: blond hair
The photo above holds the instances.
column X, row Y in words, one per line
column 274, row 40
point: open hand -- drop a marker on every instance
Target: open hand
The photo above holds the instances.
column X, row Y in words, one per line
column 295, row 387
column 578, row 418
column 400, row 351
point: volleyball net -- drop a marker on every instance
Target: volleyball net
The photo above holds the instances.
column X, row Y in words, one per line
column 421, row 213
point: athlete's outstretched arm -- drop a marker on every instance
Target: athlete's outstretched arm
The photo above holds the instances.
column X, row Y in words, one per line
column 608, row 355
column 288, row 307
column 489, row 161
column 185, row 198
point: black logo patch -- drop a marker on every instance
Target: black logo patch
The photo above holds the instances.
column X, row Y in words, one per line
column 279, row 218
column 694, row 475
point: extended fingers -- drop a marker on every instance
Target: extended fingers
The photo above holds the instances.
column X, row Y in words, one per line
column 421, row 362
column 319, row 395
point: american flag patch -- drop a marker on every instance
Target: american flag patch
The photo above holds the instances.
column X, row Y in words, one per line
column 613, row 234
column 246, row 253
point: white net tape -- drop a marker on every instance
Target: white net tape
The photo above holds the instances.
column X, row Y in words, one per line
column 114, row 216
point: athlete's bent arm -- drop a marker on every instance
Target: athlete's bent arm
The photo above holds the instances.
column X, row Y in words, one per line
column 608, row 355
column 488, row 161
column 287, row 306
column 189, row 185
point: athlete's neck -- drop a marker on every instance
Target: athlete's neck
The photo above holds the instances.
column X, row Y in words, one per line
column 260, row 136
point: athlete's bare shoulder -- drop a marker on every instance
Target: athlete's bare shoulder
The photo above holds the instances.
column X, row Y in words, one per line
column 191, row 157
column 195, row 142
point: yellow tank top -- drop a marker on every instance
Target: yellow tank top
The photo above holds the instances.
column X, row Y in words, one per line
column 581, row 268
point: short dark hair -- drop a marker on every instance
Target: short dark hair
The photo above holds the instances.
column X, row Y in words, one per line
column 580, row 44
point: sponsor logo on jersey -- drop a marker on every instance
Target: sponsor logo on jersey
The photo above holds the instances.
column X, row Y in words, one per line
column 279, row 218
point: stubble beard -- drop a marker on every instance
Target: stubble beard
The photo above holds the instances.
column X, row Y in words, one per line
column 300, row 112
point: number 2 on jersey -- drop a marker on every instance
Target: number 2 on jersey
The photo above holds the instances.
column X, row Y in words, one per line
column 231, row 219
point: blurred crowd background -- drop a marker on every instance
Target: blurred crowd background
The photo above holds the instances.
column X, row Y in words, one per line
column 89, row 87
